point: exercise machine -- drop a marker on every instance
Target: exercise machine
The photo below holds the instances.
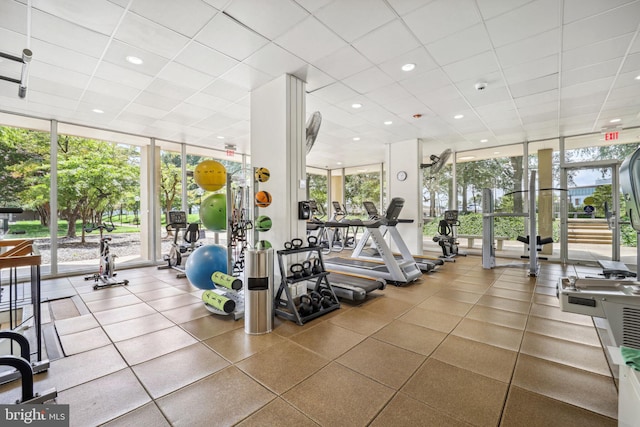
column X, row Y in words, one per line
column 105, row 277
column 425, row 263
column 488, row 230
column 180, row 251
column 387, row 267
column 613, row 269
column 615, row 302
column 447, row 236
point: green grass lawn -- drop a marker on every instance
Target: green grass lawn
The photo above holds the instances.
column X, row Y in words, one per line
column 34, row 230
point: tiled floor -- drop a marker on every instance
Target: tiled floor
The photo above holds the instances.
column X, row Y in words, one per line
column 464, row 346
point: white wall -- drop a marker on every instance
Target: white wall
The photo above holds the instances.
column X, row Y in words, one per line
column 277, row 143
column 406, row 156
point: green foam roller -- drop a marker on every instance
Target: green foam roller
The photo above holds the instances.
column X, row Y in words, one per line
column 229, row 282
column 218, row 301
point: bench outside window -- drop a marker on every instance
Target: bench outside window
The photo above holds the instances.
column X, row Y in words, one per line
column 471, row 237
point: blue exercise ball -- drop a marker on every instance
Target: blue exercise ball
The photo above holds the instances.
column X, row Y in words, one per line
column 203, row 262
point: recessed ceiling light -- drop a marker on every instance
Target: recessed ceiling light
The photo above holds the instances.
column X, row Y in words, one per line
column 356, row 138
column 637, row 77
column 220, row 137
column 97, row 111
column 408, row 67
column 338, row 163
column 466, row 157
column 134, row 60
column 356, row 105
column 458, row 116
column 484, row 140
column 614, row 120
column 388, row 122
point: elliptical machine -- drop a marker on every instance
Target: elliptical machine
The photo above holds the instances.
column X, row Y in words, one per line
column 180, row 251
column 447, row 236
column 105, row 277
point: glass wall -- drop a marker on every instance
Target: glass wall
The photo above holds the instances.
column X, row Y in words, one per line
column 318, row 189
column 362, row 184
column 25, row 172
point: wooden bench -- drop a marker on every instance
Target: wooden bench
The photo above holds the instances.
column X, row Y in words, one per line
column 471, row 237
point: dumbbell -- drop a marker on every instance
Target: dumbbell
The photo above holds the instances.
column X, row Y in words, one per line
column 297, row 270
column 305, row 307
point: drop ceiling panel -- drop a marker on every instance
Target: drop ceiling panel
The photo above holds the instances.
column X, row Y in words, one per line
column 184, row 76
column 419, row 56
column 613, row 23
column 407, row 107
column 118, row 52
column 270, row 18
column 388, row 93
column 61, row 57
column 137, row 31
column 13, row 16
column 530, row 87
column 349, row 20
column 474, row 67
column 310, row 40
column 246, row 77
column 157, row 101
column 579, row 9
column 169, row 89
column 492, row 8
column 314, row 78
column 592, row 72
column 117, row 90
column 111, row 105
column 426, row 82
column 532, row 70
column 97, row 15
column 596, row 52
column 529, row 20
column 205, row 59
column 274, row 61
column 442, row 18
column 386, row 42
column 54, row 75
column 368, row 80
column 461, row 45
column 68, row 35
column 537, row 98
column 593, row 88
column 335, row 93
column 309, row 5
column 226, row 90
column 115, row 73
column 186, row 17
column 343, row 63
column 535, row 47
column 230, row 38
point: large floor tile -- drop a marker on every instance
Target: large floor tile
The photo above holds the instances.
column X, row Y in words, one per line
column 584, row 389
column 283, row 366
column 76, row 324
column 548, row 312
column 361, row 321
column 140, row 349
column 64, row 308
column 405, row 411
column 211, row 325
column 121, row 314
column 178, row 368
column 187, row 313
column 581, row 356
column 459, row 393
column 505, row 304
column 474, row 356
column 147, row 415
column 439, row 321
column 563, row 330
column 277, row 413
column 168, row 303
column 541, row 411
column 347, row 397
column 390, row 307
column 136, row 327
column 224, row 398
column 411, row 337
column 104, row 399
column 111, row 303
column 84, row 341
column 164, row 292
column 445, row 305
column 236, row 345
column 499, row 336
column 496, row 316
column 385, row 363
column 328, row 340
column 459, row 295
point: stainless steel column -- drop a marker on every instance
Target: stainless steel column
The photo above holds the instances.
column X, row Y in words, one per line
column 258, row 291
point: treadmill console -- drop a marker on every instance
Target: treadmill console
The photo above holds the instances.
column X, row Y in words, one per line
column 395, row 207
column 371, row 209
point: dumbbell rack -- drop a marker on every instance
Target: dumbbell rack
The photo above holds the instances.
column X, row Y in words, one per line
column 285, row 305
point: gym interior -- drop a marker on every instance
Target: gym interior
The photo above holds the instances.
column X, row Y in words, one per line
column 295, row 212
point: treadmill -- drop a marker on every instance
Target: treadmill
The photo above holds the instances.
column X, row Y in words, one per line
column 387, row 267
column 351, row 286
column 425, row 264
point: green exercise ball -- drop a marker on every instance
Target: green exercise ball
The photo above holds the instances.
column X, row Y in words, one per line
column 213, row 212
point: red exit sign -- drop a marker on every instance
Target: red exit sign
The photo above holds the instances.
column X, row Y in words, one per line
column 611, row 136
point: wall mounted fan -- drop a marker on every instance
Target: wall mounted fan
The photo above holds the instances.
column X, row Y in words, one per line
column 437, row 162
column 313, row 126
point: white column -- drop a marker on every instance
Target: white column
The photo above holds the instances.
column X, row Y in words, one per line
column 278, row 143
column 405, row 156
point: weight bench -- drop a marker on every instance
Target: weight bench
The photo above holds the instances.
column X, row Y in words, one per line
column 615, row 269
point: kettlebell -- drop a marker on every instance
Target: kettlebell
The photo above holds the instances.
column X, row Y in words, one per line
column 312, row 240
column 297, row 271
column 327, row 298
column 316, row 301
column 306, row 268
column 305, row 307
column 317, row 268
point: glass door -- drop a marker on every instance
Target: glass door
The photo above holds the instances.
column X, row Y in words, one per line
column 590, row 212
